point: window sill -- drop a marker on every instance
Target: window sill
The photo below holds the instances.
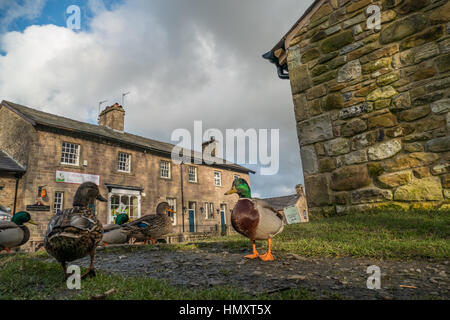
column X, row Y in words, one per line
column 68, row 165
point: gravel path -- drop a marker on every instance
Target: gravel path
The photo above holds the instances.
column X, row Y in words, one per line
column 325, row 278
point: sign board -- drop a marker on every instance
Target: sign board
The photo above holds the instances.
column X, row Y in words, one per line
column 76, row 178
column 38, row 207
column 292, row 215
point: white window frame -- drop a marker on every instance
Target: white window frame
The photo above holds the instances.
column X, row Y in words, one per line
column 123, row 193
column 195, row 174
column 76, row 154
column 161, row 169
column 218, row 180
column 126, row 162
column 56, row 202
column 173, row 204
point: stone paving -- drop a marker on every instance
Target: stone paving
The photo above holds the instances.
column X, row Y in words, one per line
column 325, row 278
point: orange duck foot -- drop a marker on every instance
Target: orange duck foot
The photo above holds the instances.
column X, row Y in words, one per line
column 267, row 257
column 255, row 253
column 252, row 256
column 7, row 250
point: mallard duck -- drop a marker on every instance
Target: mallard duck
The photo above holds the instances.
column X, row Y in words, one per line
column 113, row 232
column 151, row 226
column 14, row 233
column 254, row 218
column 74, row 233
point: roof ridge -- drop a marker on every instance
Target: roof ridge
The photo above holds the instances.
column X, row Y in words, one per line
column 113, row 133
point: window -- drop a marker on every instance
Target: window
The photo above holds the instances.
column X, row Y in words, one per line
column 304, row 215
column 165, row 169
column 70, row 153
column 124, row 161
column 124, row 203
column 58, row 204
column 211, row 211
column 217, row 178
column 192, row 174
column 173, row 204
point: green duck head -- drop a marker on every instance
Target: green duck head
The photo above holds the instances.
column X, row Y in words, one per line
column 122, row 219
column 164, row 208
column 22, row 217
column 86, row 195
column 241, row 187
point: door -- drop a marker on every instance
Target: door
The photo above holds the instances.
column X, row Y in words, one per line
column 223, row 218
column 191, row 212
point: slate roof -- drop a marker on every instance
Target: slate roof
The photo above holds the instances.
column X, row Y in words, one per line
column 279, row 203
column 8, row 164
column 36, row 117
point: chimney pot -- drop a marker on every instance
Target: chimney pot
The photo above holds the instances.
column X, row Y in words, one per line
column 113, row 117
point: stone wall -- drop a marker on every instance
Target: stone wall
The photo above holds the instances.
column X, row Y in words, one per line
column 8, row 182
column 372, row 106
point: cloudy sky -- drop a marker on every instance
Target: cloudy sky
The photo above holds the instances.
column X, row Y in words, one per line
column 182, row 60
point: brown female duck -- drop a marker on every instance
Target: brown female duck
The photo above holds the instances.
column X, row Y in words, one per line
column 151, row 226
column 75, row 233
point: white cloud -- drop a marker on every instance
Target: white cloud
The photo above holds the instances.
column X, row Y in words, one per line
column 29, row 9
column 180, row 62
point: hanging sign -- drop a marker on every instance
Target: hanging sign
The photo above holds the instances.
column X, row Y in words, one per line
column 76, row 178
column 292, row 215
column 38, row 206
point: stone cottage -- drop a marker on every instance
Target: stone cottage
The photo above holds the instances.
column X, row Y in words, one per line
column 297, row 200
column 42, row 151
column 370, row 84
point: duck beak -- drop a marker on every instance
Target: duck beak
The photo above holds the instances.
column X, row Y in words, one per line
column 32, row 222
column 100, row 198
column 231, row 191
column 171, row 211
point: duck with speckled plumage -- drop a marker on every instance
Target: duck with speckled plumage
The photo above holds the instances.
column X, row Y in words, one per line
column 151, row 226
column 254, row 218
column 14, row 233
column 75, row 232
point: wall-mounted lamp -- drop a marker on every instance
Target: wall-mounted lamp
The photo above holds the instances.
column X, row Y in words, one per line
column 202, row 209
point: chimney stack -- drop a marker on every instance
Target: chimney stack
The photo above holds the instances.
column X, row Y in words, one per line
column 113, row 117
column 212, row 145
column 299, row 190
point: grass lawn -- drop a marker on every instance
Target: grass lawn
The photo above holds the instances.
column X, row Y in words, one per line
column 26, row 276
column 391, row 234
column 420, row 235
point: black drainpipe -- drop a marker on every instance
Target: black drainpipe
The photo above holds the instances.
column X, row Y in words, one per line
column 182, row 194
column 17, row 176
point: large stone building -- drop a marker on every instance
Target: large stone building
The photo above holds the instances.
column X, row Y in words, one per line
column 42, row 151
column 370, row 84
